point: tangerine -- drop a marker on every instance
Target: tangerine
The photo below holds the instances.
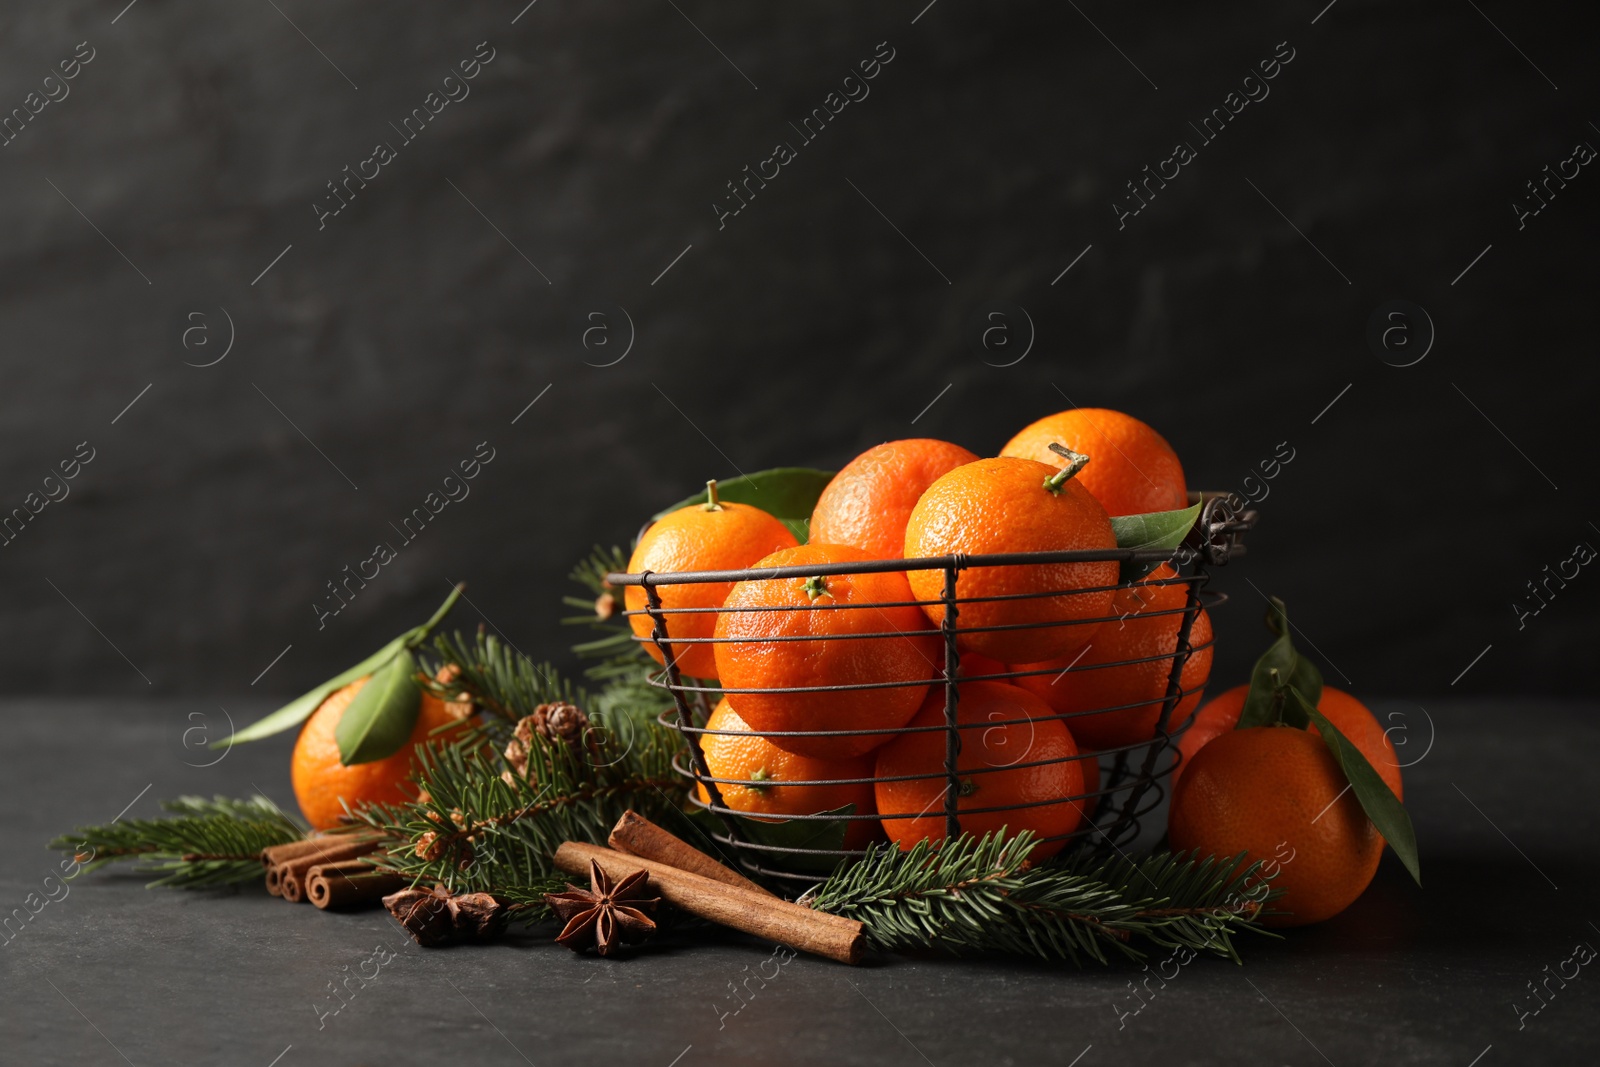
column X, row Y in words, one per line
column 323, row 785
column 816, row 642
column 1016, row 768
column 1268, row 788
column 1135, row 470
column 1015, row 505
column 766, row 772
column 868, row 502
column 1347, row 713
column 1151, row 614
column 714, row 536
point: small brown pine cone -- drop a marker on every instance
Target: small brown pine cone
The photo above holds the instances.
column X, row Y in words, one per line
column 428, row 847
column 458, row 709
column 517, row 747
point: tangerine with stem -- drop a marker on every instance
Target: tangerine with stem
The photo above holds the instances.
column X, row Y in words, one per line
column 767, row 777
column 1135, row 469
column 803, row 633
column 715, row 536
column 1015, row 505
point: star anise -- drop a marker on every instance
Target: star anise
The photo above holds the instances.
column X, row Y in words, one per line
column 435, row 917
column 606, row 914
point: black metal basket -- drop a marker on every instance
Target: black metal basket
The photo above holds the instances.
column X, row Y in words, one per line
column 1130, row 789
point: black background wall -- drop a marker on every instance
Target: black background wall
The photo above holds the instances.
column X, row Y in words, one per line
column 173, row 191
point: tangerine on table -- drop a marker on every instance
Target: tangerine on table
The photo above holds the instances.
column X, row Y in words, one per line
column 1015, row 505
column 769, row 770
column 322, row 785
column 1349, row 715
column 868, row 502
column 1150, row 616
column 1134, row 469
column 714, row 536
column 1004, row 732
column 1269, row 788
column 813, row 645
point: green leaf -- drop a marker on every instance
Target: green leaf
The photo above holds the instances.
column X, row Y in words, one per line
column 788, row 494
column 300, row 708
column 1305, row 676
column 1377, row 799
column 825, row 834
column 1279, row 666
column 381, row 717
column 1156, row 529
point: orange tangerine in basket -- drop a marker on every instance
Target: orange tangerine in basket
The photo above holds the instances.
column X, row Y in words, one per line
column 815, row 643
column 1013, row 757
column 1134, row 469
column 972, row 665
column 768, row 772
column 714, row 536
column 1015, row 505
column 868, row 502
column 1149, row 616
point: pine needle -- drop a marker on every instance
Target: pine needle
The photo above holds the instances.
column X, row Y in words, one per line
column 209, row 843
column 981, row 895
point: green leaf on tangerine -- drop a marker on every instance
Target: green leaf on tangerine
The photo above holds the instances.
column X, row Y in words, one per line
column 300, row 708
column 1155, row 529
column 380, row 719
column 1374, row 794
column 1279, row 666
column 788, row 494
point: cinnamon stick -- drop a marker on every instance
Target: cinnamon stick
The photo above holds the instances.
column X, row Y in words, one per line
column 638, row 836
column 351, row 884
column 290, row 874
column 758, row 913
column 307, row 845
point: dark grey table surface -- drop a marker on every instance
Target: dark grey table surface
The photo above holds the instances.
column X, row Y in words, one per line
column 1505, row 813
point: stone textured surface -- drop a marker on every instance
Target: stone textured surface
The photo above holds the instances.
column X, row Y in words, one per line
column 1407, row 977
column 597, row 140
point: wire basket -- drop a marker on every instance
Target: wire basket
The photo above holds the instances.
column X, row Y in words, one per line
column 1129, row 788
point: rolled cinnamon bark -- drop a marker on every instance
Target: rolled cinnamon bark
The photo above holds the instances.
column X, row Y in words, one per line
column 638, row 836
column 351, row 884
column 758, row 913
column 290, row 874
column 307, row 845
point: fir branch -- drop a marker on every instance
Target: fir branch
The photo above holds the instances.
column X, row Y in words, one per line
column 623, row 670
column 497, row 678
column 981, row 895
column 209, row 843
column 480, row 826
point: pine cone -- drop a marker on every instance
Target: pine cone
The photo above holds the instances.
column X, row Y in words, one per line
column 556, row 721
column 428, row 847
column 459, row 709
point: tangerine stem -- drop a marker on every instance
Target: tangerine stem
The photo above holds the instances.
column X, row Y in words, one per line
column 816, row 586
column 1076, row 461
column 712, row 503
column 421, row 633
